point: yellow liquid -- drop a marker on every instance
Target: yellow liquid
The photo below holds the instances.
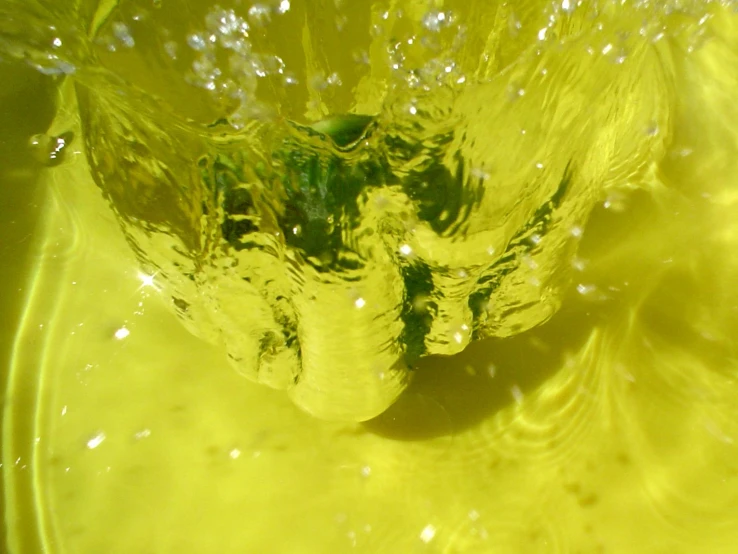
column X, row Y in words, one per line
column 610, row 428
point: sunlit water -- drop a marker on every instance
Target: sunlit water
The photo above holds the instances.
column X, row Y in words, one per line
column 609, row 427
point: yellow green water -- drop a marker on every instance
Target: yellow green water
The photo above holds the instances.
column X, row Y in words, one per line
column 611, row 427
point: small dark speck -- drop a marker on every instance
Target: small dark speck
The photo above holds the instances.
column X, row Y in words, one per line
column 623, row 459
column 588, row 500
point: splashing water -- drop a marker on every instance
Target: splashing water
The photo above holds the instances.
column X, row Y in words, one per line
column 330, row 252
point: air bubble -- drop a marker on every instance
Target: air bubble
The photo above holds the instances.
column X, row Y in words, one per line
column 434, row 21
column 123, row 34
column 260, row 14
column 517, row 394
column 334, row 79
column 170, row 48
column 197, row 42
column 50, row 150
column 586, row 290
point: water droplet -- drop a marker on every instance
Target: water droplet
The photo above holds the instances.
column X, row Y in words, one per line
column 234, row 454
column 122, row 333
column 360, row 303
column 406, row 250
column 366, row 471
column 96, row 441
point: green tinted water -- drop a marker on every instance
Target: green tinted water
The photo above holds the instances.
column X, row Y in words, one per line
column 610, row 428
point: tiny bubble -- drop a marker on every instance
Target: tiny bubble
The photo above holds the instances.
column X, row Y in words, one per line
column 427, row 534
column 259, row 14
column 96, row 441
column 585, row 289
column 170, row 48
column 142, row 434
column 579, row 264
column 517, row 394
column 196, row 42
column 121, row 32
